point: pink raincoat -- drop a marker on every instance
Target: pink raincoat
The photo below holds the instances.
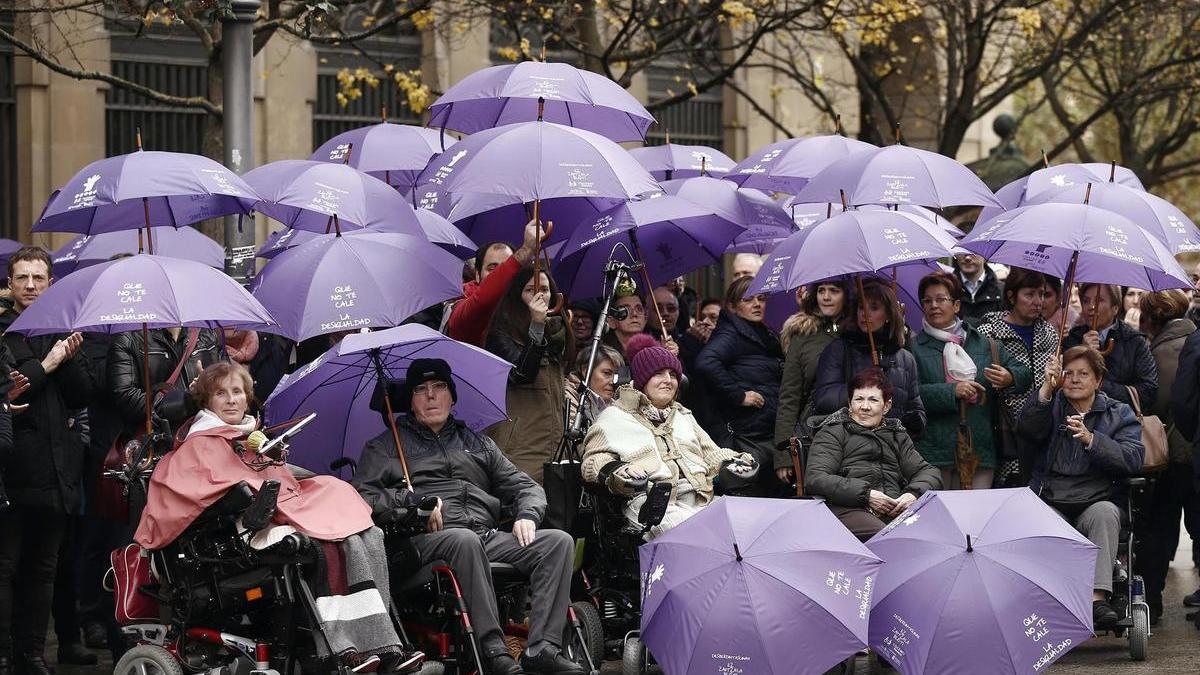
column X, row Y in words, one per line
column 204, row 467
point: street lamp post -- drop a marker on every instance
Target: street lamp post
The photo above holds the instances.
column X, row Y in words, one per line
column 237, row 42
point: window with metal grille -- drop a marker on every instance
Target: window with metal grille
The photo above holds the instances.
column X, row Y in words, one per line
column 8, row 137
column 696, row 121
column 401, row 50
column 173, row 64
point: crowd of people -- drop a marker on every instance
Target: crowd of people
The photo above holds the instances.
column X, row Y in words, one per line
column 846, row 398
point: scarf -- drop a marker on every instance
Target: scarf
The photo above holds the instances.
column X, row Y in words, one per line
column 956, row 361
column 206, row 419
column 654, row 414
column 242, row 346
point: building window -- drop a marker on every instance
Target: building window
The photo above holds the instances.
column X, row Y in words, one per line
column 8, row 137
column 696, row 121
column 174, row 65
column 401, row 50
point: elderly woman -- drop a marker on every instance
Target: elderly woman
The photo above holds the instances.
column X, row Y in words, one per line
column 863, row 463
column 960, row 381
column 851, row 353
column 646, row 435
column 211, row 457
column 1129, row 363
column 804, row 336
column 1162, row 319
column 1084, row 442
column 602, row 381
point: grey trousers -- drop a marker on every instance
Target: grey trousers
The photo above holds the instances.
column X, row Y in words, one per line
column 1101, row 524
column 548, row 561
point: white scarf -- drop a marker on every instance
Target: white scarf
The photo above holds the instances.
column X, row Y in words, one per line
column 956, row 361
column 207, row 419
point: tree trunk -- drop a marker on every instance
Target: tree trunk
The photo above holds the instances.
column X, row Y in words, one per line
column 214, row 141
column 589, row 37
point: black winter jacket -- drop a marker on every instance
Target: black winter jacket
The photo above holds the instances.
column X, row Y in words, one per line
column 478, row 486
column 124, row 370
column 742, row 356
column 45, row 467
column 1063, row 471
column 847, row 461
column 989, row 297
column 1129, row 363
column 1185, row 397
column 847, row 355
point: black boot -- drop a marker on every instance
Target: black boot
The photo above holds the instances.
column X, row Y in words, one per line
column 32, row 664
column 74, row 653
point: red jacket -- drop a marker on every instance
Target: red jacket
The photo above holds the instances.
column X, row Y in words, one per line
column 471, row 316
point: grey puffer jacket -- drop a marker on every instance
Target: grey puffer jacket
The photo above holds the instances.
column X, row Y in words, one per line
column 848, row 460
column 479, row 487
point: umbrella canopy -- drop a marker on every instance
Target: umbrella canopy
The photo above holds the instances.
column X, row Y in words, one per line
column 852, row 242
column 981, row 577
column 670, row 235
column 143, row 290
column 668, row 161
column 145, row 188
column 394, row 153
column 1018, row 192
column 898, row 174
column 725, row 591
column 751, row 209
column 484, row 184
column 338, row 283
column 9, row 247
column 506, row 94
column 1111, row 249
column 307, row 195
column 340, row 383
column 186, row 243
column 1153, row 214
column 438, row 230
column 788, row 165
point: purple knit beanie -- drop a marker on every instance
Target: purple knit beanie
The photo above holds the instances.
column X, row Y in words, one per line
column 646, row 357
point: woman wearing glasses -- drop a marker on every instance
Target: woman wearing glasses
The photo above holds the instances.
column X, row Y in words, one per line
column 960, row 382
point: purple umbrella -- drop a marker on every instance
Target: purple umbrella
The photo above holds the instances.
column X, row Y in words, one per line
column 438, row 230
column 184, row 242
column 788, row 165
column 9, row 247
column 533, row 162
column 363, row 279
column 1105, row 247
column 142, row 291
column 898, row 174
column 747, row 207
column 340, row 383
column 1018, row 192
column 1010, row 197
column 394, row 153
column 142, row 189
column 756, row 586
column 322, row 197
column 507, row 94
column 668, row 161
column 1153, row 214
column 979, row 577
column 670, row 235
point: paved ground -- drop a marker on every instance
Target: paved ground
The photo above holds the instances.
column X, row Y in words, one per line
column 1174, row 647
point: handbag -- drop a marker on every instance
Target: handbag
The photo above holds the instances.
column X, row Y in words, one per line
column 562, row 479
column 1004, row 427
column 112, row 496
column 1154, row 436
column 131, row 573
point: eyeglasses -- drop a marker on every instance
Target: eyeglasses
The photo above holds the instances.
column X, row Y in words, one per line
column 435, row 387
column 937, row 300
column 636, row 310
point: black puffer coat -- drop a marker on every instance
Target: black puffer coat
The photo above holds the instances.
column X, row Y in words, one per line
column 1129, row 363
column 743, row 356
column 847, row 461
column 45, row 468
column 124, row 369
column 851, row 353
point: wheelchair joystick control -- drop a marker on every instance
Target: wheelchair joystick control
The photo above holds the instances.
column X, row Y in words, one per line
column 259, row 514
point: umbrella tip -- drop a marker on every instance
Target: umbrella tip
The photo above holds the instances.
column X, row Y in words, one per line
column 737, row 552
column 969, row 547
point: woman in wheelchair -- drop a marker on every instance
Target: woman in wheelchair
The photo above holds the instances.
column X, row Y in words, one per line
column 863, row 463
column 1084, row 443
column 212, row 455
column 645, row 435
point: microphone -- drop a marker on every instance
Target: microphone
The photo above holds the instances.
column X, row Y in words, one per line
column 282, row 438
column 256, row 440
column 615, row 266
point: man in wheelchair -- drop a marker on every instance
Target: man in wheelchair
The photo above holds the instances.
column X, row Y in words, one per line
column 1086, row 444
column 470, row 484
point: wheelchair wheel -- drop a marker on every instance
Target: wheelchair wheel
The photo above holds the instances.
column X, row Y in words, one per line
column 593, row 633
column 148, row 660
column 633, row 657
column 1139, row 633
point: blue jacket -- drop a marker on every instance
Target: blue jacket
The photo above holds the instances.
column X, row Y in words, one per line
column 740, row 357
column 846, row 356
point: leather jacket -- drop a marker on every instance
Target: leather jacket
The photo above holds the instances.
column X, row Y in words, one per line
column 124, row 371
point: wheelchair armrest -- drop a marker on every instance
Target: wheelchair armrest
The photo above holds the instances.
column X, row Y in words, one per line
column 1136, row 482
column 237, row 499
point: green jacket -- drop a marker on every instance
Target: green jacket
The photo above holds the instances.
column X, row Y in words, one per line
column 938, row 442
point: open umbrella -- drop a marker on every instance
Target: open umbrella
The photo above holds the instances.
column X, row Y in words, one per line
column 1161, row 218
column 669, row 160
column 323, row 197
column 9, row 247
column 337, row 283
column 898, row 174
column 394, row 153
column 184, row 242
column 980, row 581
column 788, row 165
column 339, row 386
column 747, row 207
column 756, row 586
column 556, row 92
column 1018, row 192
column 439, row 231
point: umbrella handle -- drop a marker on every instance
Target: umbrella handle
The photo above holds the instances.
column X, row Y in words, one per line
column 797, row 468
column 870, row 329
column 1107, row 347
column 387, row 405
column 637, row 250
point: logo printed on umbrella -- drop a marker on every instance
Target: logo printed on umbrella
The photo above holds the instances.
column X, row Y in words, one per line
column 1060, row 180
column 223, row 186
column 839, row 582
column 654, row 576
column 864, row 598
column 87, row 196
column 328, row 199
column 760, row 165
column 428, row 200
column 1051, row 652
column 911, row 520
column 343, row 297
column 339, row 153
column 344, row 322
column 128, row 315
column 130, row 293
column 775, row 278
column 443, row 172
column 896, row 190
column 579, row 179
column 546, row 87
column 729, row 669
